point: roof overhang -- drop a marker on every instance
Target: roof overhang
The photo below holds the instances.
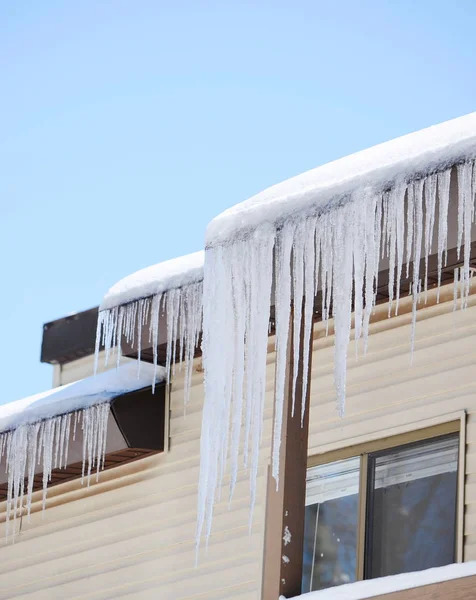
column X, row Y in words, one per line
column 81, row 394
column 69, row 338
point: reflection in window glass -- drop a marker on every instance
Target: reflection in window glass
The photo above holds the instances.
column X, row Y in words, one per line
column 331, row 523
column 412, row 521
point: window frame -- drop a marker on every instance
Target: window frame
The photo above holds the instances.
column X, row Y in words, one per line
column 453, row 424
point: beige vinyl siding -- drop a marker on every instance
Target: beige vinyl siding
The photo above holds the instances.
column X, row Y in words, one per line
column 132, row 534
column 81, row 368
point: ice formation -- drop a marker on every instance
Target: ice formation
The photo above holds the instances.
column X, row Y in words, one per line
column 169, row 292
column 326, row 230
column 35, row 432
column 45, row 444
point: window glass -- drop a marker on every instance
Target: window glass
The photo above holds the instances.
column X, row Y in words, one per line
column 411, row 522
column 331, row 525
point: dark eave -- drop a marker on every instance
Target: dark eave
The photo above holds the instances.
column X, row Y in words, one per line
column 69, row 338
column 74, row 471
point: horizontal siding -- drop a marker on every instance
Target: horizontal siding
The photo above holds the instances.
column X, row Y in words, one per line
column 83, row 367
column 137, row 540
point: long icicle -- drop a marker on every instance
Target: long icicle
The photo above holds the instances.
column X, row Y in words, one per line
column 43, row 446
column 181, row 308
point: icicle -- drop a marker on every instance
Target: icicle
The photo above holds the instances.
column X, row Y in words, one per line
column 311, row 263
column 238, row 297
column 154, row 331
column 372, row 248
column 341, row 248
column 298, row 292
column 430, row 203
column 358, row 260
column 282, row 307
column 410, row 224
column 182, row 309
column 391, row 237
column 244, row 323
column 45, row 445
column 377, row 237
column 444, row 179
column 415, row 198
column 466, row 206
column 473, row 186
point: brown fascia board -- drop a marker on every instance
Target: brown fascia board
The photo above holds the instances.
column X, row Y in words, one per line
column 69, row 338
column 74, row 470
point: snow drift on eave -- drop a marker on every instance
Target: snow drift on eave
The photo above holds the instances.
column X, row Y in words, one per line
column 326, row 229
column 36, row 430
column 171, row 290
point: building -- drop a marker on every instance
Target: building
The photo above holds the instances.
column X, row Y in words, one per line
column 387, row 488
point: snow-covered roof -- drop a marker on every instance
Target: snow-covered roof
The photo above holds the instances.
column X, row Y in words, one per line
column 360, row 590
column 156, row 279
column 328, row 230
column 376, row 168
column 80, row 394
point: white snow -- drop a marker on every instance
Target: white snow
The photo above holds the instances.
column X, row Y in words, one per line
column 360, row 590
column 77, row 395
column 326, row 230
column 164, row 276
column 35, row 431
column 170, row 291
column 428, row 150
column 287, row 537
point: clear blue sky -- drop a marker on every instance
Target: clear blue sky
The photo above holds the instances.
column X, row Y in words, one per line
column 125, row 126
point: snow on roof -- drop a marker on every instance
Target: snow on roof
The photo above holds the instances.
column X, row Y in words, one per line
column 361, row 590
column 330, row 227
column 156, row 279
column 78, row 395
column 376, row 168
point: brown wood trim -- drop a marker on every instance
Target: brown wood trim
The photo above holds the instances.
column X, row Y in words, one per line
column 74, row 471
column 364, row 463
column 285, row 506
column 461, row 490
column 463, row 588
column 400, row 439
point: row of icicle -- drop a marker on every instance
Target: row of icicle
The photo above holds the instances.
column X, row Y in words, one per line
column 182, row 310
column 45, row 444
column 337, row 252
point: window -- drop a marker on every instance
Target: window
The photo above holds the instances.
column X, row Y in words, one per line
column 381, row 512
column 331, row 525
